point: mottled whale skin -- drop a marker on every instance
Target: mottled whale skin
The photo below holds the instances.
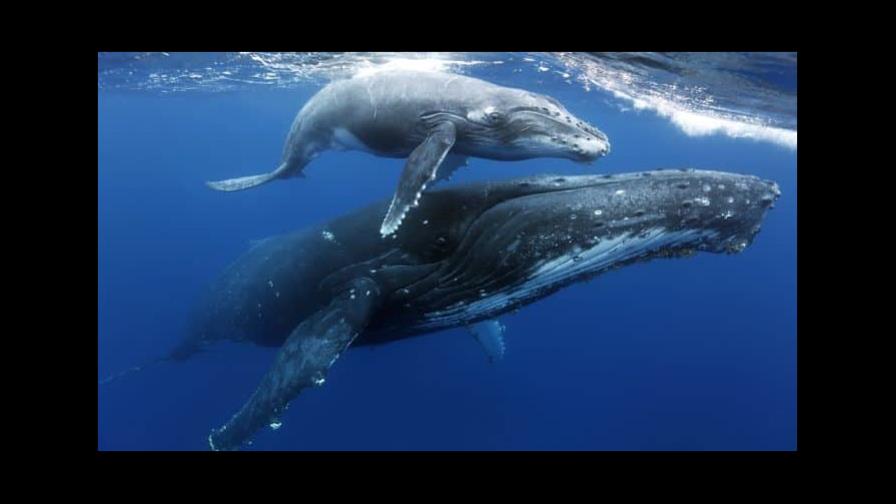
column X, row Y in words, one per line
column 469, row 253
column 434, row 119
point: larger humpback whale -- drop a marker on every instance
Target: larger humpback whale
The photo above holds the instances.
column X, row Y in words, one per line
column 435, row 120
column 470, row 254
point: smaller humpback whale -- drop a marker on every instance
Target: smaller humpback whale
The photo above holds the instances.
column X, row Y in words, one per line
column 435, row 120
column 470, row 254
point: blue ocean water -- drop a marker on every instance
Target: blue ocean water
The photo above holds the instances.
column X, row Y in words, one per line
column 682, row 354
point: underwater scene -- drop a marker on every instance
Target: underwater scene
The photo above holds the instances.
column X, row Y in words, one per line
column 446, row 251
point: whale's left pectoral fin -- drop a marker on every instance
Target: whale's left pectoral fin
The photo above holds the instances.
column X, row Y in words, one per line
column 421, row 169
column 302, row 362
column 490, row 334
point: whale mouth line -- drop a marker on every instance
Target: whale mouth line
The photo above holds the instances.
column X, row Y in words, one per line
column 550, row 273
column 515, row 114
column 583, row 129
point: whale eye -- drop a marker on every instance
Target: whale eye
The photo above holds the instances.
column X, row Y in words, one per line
column 488, row 116
column 495, row 117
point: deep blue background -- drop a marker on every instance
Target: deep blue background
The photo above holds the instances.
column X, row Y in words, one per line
column 685, row 354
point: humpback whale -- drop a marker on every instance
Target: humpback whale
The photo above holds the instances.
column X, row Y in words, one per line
column 470, row 254
column 435, row 120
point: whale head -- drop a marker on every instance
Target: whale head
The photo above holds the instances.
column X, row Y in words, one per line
column 540, row 234
column 513, row 124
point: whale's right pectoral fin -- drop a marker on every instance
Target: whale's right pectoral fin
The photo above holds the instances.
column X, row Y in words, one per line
column 450, row 165
column 420, row 169
column 490, row 334
column 303, row 361
column 240, row 183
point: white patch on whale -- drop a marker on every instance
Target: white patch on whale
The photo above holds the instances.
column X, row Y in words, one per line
column 344, row 139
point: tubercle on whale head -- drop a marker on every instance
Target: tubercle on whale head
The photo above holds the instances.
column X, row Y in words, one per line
column 576, row 138
column 763, row 200
column 519, row 124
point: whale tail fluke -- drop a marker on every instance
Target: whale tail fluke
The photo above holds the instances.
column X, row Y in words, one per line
column 248, row 182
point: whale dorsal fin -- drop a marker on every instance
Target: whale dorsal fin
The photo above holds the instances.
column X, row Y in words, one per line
column 303, row 361
column 490, row 334
column 419, row 170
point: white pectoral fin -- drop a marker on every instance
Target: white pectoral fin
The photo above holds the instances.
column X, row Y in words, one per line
column 419, row 170
column 490, row 335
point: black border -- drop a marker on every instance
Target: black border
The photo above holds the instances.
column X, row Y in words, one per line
column 805, row 440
